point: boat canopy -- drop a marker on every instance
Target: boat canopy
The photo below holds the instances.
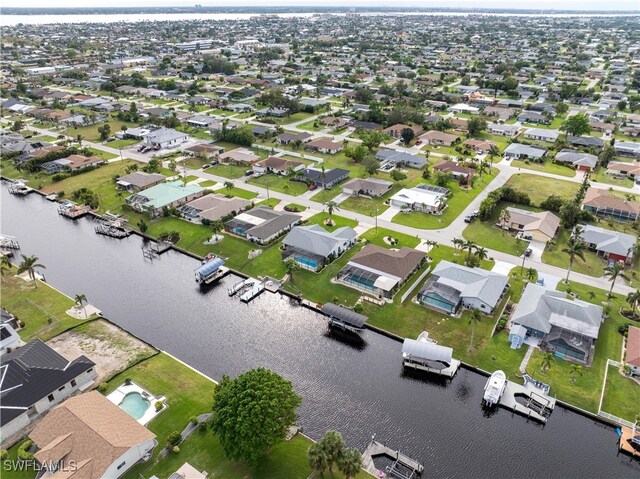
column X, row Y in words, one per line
column 426, row 351
column 345, row 315
column 209, row 267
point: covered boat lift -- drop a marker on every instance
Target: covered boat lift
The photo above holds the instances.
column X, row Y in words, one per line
column 344, row 318
column 210, row 271
column 430, row 357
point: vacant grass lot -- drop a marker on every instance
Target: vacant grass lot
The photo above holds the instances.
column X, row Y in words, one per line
column 90, row 133
column 553, row 254
column 371, row 206
column 456, row 203
column 546, row 166
column 326, row 195
column 43, row 309
column 585, row 391
column 621, row 396
column 539, row 188
column 228, row 171
column 279, row 183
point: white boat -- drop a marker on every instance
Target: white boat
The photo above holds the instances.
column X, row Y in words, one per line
column 494, row 388
column 424, row 338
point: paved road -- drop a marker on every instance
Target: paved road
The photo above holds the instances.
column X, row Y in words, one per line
column 442, row 236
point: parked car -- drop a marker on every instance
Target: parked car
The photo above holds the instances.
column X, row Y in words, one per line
column 248, row 173
column 528, row 252
column 419, row 142
column 110, row 139
column 204, row 167
column 313, row 187
column 469, row 218
column 214, row 162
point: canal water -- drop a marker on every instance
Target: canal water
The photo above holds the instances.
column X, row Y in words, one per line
column 357, row 389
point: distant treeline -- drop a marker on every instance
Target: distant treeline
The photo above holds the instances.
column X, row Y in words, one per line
column 283, row 9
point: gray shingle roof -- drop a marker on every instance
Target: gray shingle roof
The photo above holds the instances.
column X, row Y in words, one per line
column 317, row 240
column 608, row 241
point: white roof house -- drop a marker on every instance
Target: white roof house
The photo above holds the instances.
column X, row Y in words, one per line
column 419, row 198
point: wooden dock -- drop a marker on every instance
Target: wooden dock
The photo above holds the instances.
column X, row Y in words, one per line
column 538, row 405
column 403, row 467
column 625, row 444
column 256, row 288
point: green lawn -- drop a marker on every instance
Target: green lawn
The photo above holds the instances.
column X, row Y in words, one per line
column 456, row 203
column 539, row 188
column 207, row 183
column 485, row 233
column 271, row 202
column 189, row 394
column 553, row 254
column 191, row 178
column 105, row 155
column 279, row 183
column 240, row 193
column 227, row 171
column 309, row 126
column 123, row 143
column 377, row 238
column 43, row 309
column 585, row 391
column 326, row 194
column 601, row 176
column 298, row 208
column 546, row 166
column 621, row 396
column 338, row 221
column 90, row 133
column 371, row 206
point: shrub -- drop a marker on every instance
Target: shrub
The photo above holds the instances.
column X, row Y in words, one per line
column 175, row 449
column 4, row 454
column 173, row 439
column 358, row 308
column 23, row 451
column 193, row 420
column 623, row 329
column 102, row 387
column 202, row 427
column 159, row 406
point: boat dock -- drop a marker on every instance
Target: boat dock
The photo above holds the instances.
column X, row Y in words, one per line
column 625, row 441
column 537, row 405
column 112, row 231
column 73, row 211
column 8, row 243
column 425, row 355
column 403, row 467
column 254, row 290
column 240, row 286
column 18, row 187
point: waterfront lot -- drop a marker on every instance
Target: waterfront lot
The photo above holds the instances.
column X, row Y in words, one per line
column 585, row 391
column 43, row 309
column 539, row 188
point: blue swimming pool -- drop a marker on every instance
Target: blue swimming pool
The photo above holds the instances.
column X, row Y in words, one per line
column 134, row 405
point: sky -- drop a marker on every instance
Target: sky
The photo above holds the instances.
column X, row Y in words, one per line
column 522, row 4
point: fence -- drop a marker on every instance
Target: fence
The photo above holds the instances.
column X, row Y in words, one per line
column 415, row 284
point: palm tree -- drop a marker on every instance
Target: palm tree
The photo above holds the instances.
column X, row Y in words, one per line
column 475, row 318
column 612, row 272
column 317, row 458
column 633, row 299
column 350, row 463
column 143, row 226
column 80, row 299
column 493, row 151
column 577, row 231
column 547, row 360
column 457, row 242
column 481, row 252
column 5, row 265
column 228, row 185
column 216, row 227
column 592, row 295
column 331, row 207
column 29, row 265
column 531, row 273
column 634, row 251
column 575, row 369
column 431, row 244
column 292, row 267
column 575, row 249
column 482, row 168
column 469, row 246
column 505, row 217
column 79, row 139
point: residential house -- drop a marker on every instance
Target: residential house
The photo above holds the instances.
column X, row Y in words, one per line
column 540, row 134
column 239, row 156
column 627, row 148
column 602, row 127
column 92, row 437
column 461, row 173
column 479, row 146
column 452, row 286
column 533, row 117
column 286, row 138
column 380, row 271
column 629, row 170
column 262, row 225
column 367, row 187
column 275, row 112
column 435, row 137
column 165, row 138
column 509, row 131
column 524, row 152
column 611, row 245
column 533, row 225
column 395, row 131
column 277, row 165
column 208, row 150
column 585, row 141
column 312, row 247
column 464, row 108
column 139, row 180
column 200, row 121
column 400, row 158
column 213, row 208
column 577, row 159
column 71, row 163
column 163, row 195
column 601, row 203
column 324, row 179
column 566, row 327
column 632, row 353
column 425, row 198
column 325, row 145
column 34, row 379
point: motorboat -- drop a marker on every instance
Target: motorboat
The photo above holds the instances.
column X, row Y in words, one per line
column 494, row 388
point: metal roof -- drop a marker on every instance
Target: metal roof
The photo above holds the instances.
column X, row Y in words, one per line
column 209, row 267
column 343, row 314
column 427, row 350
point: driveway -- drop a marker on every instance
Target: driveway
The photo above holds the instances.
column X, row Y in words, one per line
column 502, row 267
column 537, row 248
column 389, row 213
column 550, row 280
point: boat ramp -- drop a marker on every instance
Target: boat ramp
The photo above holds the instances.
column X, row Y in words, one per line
column 403, row 466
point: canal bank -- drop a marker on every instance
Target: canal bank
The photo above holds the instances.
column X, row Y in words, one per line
column 357, row 389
